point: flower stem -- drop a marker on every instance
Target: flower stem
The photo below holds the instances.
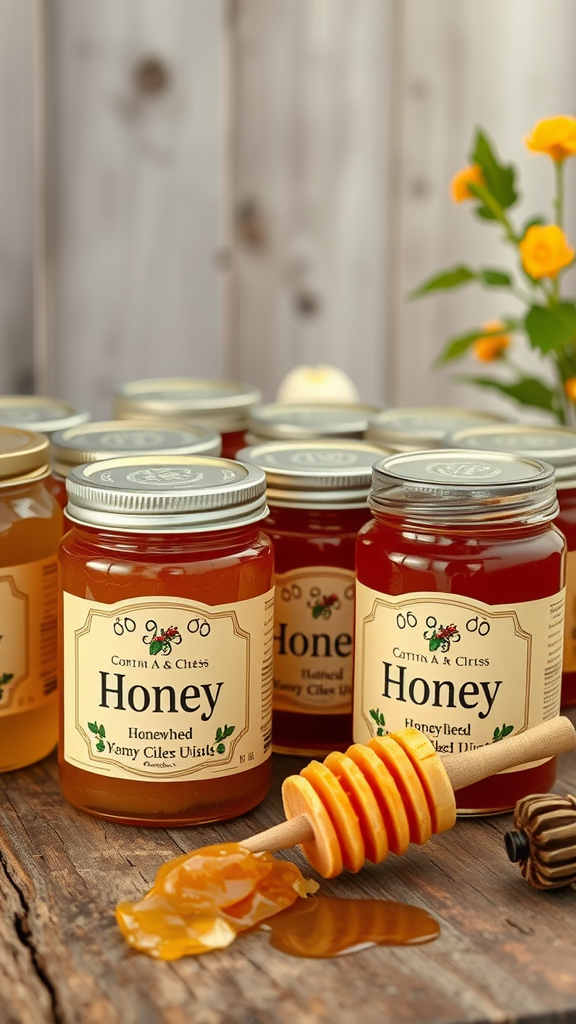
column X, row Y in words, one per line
column 558, row 201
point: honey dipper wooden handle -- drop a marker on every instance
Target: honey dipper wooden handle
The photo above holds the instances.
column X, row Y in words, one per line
column 553, row 737
column 280, row 837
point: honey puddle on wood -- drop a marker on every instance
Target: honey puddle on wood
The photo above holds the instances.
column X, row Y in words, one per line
column 328, row 926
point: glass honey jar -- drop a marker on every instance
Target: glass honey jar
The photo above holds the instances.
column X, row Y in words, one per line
column 317, row 494
column 221, row 405
column 557, row 446
column 460, row 608
column 44, row 416
column 418, row 428
column 30, row 531
column 168, row 604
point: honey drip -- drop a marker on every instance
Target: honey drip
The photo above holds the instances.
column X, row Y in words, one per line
column 328, row 926
column 201, row 900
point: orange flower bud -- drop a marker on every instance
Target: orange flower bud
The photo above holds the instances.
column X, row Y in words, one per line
column 492, row 346
column 544, row 250
column 459, row 185
column 570, row 389
column 554, row 136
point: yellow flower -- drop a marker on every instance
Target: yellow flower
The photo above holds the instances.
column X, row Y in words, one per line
column 544, row 250
column 491, row 346
column 555, row 136
column 570, row 389
column 459, row 184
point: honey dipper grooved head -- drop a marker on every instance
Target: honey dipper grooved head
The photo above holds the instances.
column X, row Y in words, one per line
column 545, row 841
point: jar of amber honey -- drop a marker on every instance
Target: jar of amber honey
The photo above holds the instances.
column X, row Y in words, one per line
column 317, row 493
column 30, row 531
column 221, row 405
column 167, row 640
column 44, row 416
column 460, row 608
column 556, row 445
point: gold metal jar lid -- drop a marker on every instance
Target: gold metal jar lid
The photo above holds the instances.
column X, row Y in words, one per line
column 319, row 474
column 220, row 404
column 409, row 429
column 456, row 486
column 556, row 445
column 23, row 456
column 306, row 421
column 35, row 412
column 96, row 441
column 169, row 493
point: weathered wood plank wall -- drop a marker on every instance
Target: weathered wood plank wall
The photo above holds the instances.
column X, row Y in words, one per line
column 239, row 185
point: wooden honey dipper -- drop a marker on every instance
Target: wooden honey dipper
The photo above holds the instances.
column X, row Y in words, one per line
column 379, row 797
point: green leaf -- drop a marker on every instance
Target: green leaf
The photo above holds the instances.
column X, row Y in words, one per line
column 102, row 731
column 156, row 647
column 6, row 677
column 458, row 346
column 220, row 748
column 494, row 278
column 445, row 279
column 219, row 735
column 93, row 726
column 100, row 746
column 527, row 391
column 228, row 730
column 500, row 178
column 549, row 330
column 507, row 729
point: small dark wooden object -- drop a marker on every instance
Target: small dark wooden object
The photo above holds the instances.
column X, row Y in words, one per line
column 544, row 843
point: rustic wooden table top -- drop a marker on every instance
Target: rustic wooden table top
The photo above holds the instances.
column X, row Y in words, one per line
column 506, row 952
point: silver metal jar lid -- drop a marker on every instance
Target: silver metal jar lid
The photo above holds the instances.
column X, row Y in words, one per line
column 409, row 429
column 315, row 474
column 288, row 421
column 95, row 442
column 220, row 404
column 35, row 412
column 556, row 445
column 170, row 493
column 456, row 486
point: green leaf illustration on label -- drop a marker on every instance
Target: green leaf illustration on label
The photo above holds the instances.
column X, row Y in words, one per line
column 221, row 735
column 499, row 734
column 160, row 641
column 378, row 717
column 99, row 734
column 4, row 680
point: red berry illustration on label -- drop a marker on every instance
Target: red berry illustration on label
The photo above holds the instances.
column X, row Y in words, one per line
column 4, row 680
column 439, row 636
column 159, row 641
column 323, row 604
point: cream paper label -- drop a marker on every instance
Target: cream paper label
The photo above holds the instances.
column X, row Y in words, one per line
column 463, row 672
column 570, row 621
column 28, row 635
column 162, row 688
column 313, row 640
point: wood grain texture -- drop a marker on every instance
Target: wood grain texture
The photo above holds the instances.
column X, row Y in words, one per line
column 310, row 179
column 136, row 167
column 506, row 952
column 17, row 204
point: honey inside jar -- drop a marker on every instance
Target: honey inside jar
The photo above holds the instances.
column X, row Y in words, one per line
column 30, row 530
column 167, row 632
